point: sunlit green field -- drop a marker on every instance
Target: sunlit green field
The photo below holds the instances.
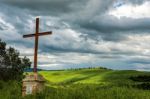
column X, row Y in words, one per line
column 88, row 76
column 91, row 76
column 93, row 83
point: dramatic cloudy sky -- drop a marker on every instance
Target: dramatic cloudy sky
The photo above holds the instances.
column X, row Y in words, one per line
column 109, row 33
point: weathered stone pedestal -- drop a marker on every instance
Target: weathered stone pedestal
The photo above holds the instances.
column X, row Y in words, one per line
column 32, row 84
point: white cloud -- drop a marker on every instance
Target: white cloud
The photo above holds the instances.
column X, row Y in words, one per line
column 132, row 11
column 66, row 47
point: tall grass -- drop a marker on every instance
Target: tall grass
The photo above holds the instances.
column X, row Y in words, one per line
column 74, row 85
column 12, row 90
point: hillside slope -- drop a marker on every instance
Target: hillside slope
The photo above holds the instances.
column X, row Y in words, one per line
column 93, row 76
column 85, row 84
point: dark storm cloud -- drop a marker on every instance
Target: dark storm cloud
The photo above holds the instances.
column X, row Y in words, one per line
column 139, row 61
column 111, row 28
column 85, row 15
column 1, row 27
column 64, row 6
column 114, row 53
column 136, row 2
column 89, row 18
column 111, row 24
column 15, row 17
column 46, row 7
column 67, row 49
column 96, row 23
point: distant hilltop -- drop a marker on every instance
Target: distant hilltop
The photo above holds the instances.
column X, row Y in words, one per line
column 97, row 67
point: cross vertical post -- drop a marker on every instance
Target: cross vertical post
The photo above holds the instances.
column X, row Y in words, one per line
column 36, row 44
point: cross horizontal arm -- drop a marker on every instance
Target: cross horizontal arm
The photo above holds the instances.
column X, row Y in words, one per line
column 39, row 34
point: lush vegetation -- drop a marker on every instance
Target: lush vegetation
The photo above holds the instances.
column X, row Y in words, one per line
column 11, row 65
column 93, row 83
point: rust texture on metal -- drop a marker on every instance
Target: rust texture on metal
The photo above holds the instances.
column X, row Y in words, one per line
column 36, row 35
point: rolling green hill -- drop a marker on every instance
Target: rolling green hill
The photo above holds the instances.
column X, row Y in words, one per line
column 92, row 76
column 95, row 83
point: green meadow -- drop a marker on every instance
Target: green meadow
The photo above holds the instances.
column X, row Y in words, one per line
column 93, row 83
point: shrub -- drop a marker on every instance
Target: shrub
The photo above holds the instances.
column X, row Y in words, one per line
column 11, row 65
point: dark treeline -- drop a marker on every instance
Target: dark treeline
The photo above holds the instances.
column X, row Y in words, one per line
column 11, row 65
column 89, row 68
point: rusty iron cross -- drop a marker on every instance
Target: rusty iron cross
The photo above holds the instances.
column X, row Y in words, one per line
column 36, row 35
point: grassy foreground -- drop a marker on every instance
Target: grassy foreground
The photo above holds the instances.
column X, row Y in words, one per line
column 86, row 84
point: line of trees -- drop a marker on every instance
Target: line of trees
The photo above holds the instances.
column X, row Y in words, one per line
column 11, row 65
